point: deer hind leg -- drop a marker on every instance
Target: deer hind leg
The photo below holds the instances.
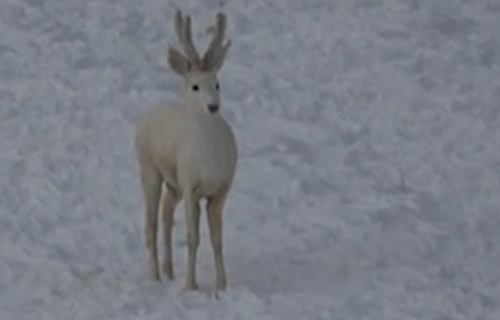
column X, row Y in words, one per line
column 170, row 200
column 215, row 207
column 151, row 185
column 193, row 239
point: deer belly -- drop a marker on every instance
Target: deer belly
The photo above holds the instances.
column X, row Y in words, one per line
column 215, row 181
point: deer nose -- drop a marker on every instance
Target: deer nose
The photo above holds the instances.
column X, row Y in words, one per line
column 213, row 108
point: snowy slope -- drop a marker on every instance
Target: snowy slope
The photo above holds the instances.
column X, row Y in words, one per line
column 369, row 178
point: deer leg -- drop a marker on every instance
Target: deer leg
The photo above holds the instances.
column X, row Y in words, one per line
column 215, row 206
column 151, row 185
column 193, row 239
column 170, row 200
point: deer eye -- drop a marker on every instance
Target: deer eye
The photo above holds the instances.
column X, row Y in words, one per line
column 217, row 87
column 195, row 87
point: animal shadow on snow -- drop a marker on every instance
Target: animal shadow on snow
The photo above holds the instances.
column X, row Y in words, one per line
column 317, row 269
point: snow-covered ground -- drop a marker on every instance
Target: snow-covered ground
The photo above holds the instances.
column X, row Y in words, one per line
column 369, row 173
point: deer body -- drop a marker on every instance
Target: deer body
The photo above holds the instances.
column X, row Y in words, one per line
column 191, row 149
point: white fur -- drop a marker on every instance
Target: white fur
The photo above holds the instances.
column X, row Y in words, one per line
column 192, row 150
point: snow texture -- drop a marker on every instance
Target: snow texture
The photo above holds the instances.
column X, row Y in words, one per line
column 369, row 172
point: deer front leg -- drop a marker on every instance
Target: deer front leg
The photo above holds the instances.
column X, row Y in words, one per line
column 193, row 239
column 215, row 206
column 170, row 200
column 151, row 185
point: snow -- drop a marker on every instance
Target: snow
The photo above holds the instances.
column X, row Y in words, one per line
column 369, row 174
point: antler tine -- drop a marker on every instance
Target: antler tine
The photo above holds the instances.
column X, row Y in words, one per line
column 217, row 39
column 188, row 45
column 179, row 26
column 220, row 29
column 183, row 29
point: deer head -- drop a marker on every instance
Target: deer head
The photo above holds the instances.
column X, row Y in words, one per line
column 201, row 88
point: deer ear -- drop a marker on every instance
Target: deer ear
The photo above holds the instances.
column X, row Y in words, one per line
column 180, row 64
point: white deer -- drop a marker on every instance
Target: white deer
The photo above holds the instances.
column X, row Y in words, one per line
column 191, row 148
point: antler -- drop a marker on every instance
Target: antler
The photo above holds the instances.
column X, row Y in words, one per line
column 183, row 29
column 216, row 48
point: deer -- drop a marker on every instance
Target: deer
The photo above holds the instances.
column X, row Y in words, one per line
column 190, row 149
